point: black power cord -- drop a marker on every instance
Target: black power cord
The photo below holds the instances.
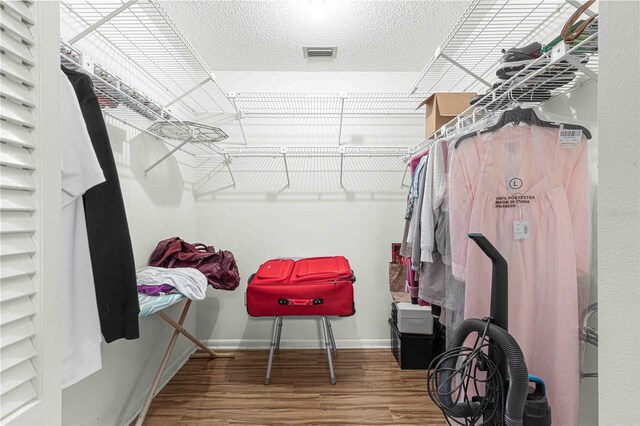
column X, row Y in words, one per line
column 476, row 385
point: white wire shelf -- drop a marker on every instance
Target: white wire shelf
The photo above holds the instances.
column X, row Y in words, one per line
column 143, row 33
column 315, row 151
column 547, row 78
column 328, row 104
column 119, row 101
column 124, row 95
column 554, row 74
column 467, row 59
column 294, row 162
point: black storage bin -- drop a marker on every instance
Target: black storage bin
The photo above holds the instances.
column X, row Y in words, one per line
column 412, row 351
column 440, row 334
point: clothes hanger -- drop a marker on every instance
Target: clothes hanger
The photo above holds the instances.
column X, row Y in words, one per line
column 523, row 115
column 567, row 34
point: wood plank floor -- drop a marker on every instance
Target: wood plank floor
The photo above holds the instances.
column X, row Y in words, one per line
column 371, row 390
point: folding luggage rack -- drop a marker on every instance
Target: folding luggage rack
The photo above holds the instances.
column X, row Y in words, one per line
column 329, row 344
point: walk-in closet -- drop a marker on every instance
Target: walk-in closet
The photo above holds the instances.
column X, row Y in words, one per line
column 310, row 212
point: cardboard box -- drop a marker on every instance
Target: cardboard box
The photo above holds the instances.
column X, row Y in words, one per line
column 441, row 108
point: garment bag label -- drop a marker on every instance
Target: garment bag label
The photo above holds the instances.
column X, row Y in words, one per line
column 521, row 229
column 569, row 138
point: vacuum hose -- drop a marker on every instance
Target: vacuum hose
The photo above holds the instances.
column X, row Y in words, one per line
column 517, row 371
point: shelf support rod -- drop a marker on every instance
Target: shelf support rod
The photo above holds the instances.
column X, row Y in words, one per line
column 465, row 69
column 342, row 98
column 227, row 160
column 341, row 166
column 188, row 92
column 167, row 155
column 233, row 95
column 283, row 150
column 101, row 22
column 209, row 176
column 404, row 175
column 576, row 63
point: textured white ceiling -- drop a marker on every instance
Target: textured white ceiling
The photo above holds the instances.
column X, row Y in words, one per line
column 269, row 35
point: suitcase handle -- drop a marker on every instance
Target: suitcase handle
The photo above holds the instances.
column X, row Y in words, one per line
column 300, row 302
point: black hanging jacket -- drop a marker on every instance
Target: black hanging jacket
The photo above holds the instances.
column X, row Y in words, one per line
column 112, row 261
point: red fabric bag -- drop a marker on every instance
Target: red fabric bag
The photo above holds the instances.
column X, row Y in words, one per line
column 219, row 267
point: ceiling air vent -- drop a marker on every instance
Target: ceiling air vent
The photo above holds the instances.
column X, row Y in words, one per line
column 315, row 52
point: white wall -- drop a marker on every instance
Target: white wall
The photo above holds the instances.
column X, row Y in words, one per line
column 159, row 206
column 619, row 214
column 262, row 219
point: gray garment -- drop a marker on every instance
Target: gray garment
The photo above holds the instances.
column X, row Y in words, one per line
column 443, row 236
column 433, row 278
column 431, row 282
column 453, row 312
column 405, row 247
column 415, row 250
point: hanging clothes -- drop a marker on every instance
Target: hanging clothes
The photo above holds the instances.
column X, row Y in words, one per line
column 417, row 164
column 413, row 210
column 109, row 239
column 435, row 187
column 431, row 281
column 436, row 283
column 81, row 337
column 415, row 232
column 415, row 160
column 528, row 194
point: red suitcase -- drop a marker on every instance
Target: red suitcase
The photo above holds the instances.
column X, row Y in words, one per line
column 321, row 286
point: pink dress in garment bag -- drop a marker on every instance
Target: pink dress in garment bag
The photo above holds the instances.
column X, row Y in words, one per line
column 523, row 174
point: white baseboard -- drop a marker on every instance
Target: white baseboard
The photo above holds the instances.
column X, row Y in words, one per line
column 169, row 372
column 296, row 343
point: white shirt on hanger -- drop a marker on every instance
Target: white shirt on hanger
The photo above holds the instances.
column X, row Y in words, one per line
column 81, row 336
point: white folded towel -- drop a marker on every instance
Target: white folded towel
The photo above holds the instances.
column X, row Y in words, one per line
column 188, row 281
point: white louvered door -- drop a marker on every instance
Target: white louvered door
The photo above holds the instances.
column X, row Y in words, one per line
column 29, row 208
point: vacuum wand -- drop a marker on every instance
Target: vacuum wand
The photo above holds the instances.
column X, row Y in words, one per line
column 499, row 281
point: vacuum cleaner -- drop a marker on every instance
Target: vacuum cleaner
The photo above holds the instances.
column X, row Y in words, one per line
column 487, row 383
